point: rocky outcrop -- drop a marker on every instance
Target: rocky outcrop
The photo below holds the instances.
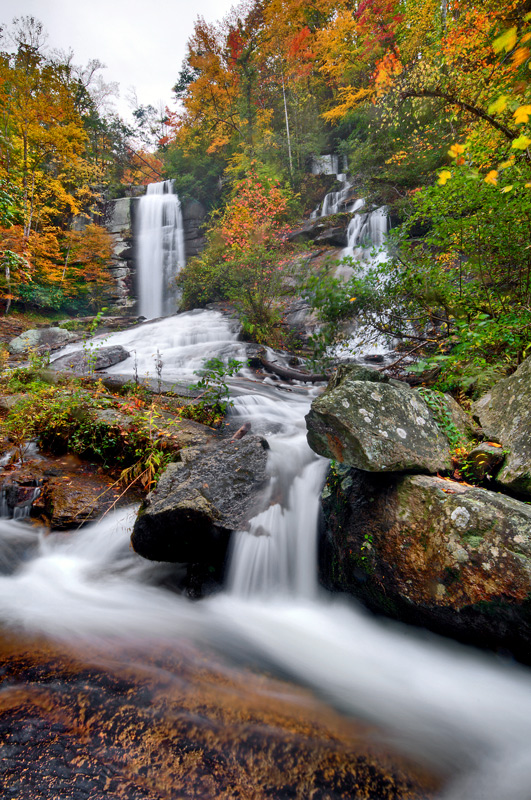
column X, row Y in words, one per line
column 40, row 339
column 330, row 231
column 447, row 555
column 200, row 500
column 193, row 221
column 451, row 557
column 504, row 414
column 120, row 220
column 366, row 421
column 90, row 359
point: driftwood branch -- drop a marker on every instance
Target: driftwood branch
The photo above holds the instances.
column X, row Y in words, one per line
column 399, row 360
column 291, row 374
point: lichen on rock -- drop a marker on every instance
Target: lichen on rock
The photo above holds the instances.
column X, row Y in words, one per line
column 378, row 425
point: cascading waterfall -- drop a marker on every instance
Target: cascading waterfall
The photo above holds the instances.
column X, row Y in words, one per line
column 161, row 252
column 365, row 250
column 466, row 714
column 336, row 202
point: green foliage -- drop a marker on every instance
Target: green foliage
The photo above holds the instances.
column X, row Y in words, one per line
column 463, row 291
column 196, row 176
column 245, row 257
column 394, row 150
column 64, row 419
column 208, row 277
column 336, row 302
column 213, row 402
column 443, row 418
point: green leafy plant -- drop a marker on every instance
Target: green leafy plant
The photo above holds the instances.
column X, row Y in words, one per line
column 213, row 386
column 435, row 400
column 91, row 348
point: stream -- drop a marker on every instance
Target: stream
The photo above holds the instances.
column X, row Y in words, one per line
column 271, row 662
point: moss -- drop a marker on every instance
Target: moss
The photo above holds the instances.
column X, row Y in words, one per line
column 472, row 539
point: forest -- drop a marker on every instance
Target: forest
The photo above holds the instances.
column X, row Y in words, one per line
column 427, row 102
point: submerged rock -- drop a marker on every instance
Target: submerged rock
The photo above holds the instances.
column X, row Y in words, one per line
column 371, row 423
column 504, row 415
column 200, row 501
column 449, row 556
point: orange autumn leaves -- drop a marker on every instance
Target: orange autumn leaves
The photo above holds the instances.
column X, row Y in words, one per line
column 255, row 215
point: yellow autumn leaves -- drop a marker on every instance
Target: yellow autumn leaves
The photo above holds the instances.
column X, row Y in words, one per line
column 522, row 114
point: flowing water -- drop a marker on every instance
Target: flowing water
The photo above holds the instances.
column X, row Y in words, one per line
column 466, row 715
column 160, row 249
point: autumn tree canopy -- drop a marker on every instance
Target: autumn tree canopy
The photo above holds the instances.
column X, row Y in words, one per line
column 58, row 150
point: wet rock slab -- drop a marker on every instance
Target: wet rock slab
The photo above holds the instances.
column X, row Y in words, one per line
column 152, row 724
column 200, row 500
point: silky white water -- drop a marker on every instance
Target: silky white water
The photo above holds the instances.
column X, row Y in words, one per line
column 160, row 250
column 467, row 714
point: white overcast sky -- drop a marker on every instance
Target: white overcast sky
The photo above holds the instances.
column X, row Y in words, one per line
column 142, row 42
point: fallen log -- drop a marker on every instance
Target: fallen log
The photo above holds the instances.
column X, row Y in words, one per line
column 287, row 373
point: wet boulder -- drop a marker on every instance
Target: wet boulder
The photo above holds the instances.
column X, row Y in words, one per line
column 330, row 230
column 69, row 501
column 378, row 425
column 40, row 339
column 504, row 414
column 90, row 359
column 200, row 500
column 431, row 551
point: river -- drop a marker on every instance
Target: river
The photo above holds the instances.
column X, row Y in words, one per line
column 463, row 715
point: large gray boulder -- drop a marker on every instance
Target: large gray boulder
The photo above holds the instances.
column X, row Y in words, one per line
column 40, row 339
column 424, row 549
column 368, row 423
column 504, row 414
column 201, row 500
column 90, row 359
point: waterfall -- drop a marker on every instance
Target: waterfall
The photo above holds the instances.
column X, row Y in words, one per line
column 160, row 250
column 366, row 235
column 277, row 556
column 336, row 202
